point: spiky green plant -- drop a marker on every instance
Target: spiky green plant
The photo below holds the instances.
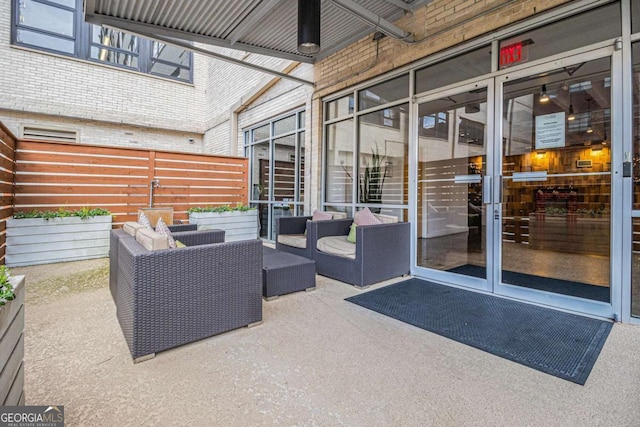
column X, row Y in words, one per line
column 372, row 180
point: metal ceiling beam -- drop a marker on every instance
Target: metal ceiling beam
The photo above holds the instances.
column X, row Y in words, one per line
column 376, row 21
column 158, row 31
column 401, row 5
column 256, row 15
column 225, row 58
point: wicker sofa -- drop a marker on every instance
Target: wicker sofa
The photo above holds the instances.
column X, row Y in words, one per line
column 381, row 252
column 169, row 297
column 291, row 236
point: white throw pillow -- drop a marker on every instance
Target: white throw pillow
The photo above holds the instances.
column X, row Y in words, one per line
column 161, row 228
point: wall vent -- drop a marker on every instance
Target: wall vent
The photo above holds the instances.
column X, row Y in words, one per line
column 49, row 134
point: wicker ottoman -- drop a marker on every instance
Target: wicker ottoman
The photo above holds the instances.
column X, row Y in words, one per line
column 283, row 273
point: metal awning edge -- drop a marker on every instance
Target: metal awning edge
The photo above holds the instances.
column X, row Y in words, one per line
column 146, row 29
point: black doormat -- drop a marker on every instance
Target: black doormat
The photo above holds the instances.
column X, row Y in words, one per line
column 551, row 341
column 558, row 286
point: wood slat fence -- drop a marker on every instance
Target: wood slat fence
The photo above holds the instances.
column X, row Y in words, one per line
column 42, row 175
column 51, row 175
column 7, row 167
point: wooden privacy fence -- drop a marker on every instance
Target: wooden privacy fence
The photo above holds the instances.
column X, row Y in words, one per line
column 51, row 175
column 7, row 166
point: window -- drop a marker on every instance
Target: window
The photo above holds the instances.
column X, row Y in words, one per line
column 276, row 152
column 570, row 33
column 113, row 46
column 56, row 26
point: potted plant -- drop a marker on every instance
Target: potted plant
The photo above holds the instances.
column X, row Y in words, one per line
column 372, row 181
column 42, row 237
column 239, row 222
column 11, row 341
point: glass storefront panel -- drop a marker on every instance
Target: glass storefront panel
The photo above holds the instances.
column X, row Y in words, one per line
column 284, row 169
column 339, row 108
column 347, row 210
column 635, row 269
column 260, row 171
column 288, row 124
column 636, row 125
column 301, row 118
column 452, row 144
column 301, row 169
column 635, row 16
column 277, row 171
column 339, row 162
column 263, row 218
column 577, row 31
column 384, row 93
column 260, row 133
column 383, row 156
column 556, row 204
column 466, row 66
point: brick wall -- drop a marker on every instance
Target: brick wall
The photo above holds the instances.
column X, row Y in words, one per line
column 253, row 106
column 108, row 134
column 104, row 104
column 438, row 25
column 61, row 86
column 228, row 82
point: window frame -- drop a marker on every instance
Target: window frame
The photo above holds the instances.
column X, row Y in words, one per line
column 83, row 42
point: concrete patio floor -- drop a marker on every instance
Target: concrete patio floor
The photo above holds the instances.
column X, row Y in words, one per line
column 317, row 360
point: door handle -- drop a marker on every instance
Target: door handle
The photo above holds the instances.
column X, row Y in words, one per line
column 486, row 189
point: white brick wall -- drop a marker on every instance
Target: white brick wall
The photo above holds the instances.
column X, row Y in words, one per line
column 106, row 104
column 112, row 106
column 109, row 134
column 216, row 140
column 286, row 95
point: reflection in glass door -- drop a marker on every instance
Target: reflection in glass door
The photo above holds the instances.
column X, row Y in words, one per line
column 556, row 167
column 452, row 160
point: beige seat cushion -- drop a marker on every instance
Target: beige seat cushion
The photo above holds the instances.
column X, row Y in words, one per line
column 151, row 240
column 132, row 227
column 337, row 245
column 294, row 240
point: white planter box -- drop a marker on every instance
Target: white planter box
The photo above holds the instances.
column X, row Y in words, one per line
column 12, row 347
column 33, row 241
column 238, row 225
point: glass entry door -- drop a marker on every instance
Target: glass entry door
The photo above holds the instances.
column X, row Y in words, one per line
column 556, row 184
column 452, row 191
column 514, row 196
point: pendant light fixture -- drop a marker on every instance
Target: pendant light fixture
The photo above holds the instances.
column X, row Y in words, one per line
column 309, row 26
column 589, row 128
column 571, row 117
column 544, row 97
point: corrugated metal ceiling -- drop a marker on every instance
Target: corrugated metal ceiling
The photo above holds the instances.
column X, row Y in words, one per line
column 262, row 26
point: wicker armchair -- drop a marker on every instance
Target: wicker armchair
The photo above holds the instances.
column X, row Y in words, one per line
column 381, row 252
column 291, row 237
column 214, row 236
column 170, row 297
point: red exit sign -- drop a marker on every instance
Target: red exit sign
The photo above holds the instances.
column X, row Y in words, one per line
column 513, row 54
